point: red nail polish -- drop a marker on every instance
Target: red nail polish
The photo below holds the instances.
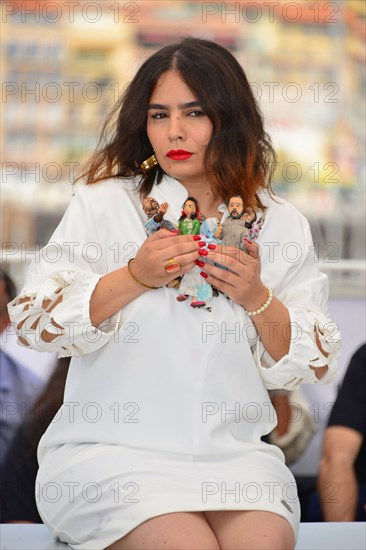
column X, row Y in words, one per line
column 204, row 275
column 247, row 241
column 201, row 243
column 200, row 264
column 175, row 231
column 211, row 246
column 203, row 252
column 196, row 238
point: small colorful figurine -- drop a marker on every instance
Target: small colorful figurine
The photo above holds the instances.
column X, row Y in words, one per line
column 240, row 224
column 155, row 214
column 190, row 220
column 249, row 216
column 255, row 226
column 234, row 229
column 156, row 221
column 192, row 283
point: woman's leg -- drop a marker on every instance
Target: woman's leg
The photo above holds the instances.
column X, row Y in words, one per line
column 178, row 530
column 236, row 530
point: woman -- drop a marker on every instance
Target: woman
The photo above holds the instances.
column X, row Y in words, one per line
column 158, row 442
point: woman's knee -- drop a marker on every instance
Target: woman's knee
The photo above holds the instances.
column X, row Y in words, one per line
column 256, row 530
column 190, row 542
column 176, row 531
column 282, row 539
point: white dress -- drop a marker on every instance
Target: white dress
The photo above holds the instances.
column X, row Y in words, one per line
column 164, row 405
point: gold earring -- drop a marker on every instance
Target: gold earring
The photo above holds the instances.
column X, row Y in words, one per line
column 149, row 163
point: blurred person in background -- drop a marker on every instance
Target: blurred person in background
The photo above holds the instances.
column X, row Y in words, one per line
column 342, row 474
column 295, row 425
column 177, row 131
column 19, row 387
column 41, row 364
column 18, row 489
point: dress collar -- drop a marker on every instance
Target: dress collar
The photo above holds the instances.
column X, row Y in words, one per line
column 172, row 188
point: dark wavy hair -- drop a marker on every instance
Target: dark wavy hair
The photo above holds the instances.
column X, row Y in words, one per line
column 239, row 158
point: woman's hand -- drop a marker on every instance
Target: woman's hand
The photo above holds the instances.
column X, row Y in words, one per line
column 152, row 257
column 117, row 289
column 244, row 286
column 242, row 283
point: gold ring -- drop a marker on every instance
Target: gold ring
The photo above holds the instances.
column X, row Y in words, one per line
column 172, row 266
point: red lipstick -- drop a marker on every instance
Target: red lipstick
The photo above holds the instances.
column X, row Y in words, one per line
column 179, row 154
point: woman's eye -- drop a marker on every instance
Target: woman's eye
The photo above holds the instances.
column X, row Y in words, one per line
column 158, row 116
column 196, row 113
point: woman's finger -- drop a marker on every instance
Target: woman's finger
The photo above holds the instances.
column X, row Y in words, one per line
column 186, row 261
column 178, row 247
column 220, row 273
column 252, row 249
column 223, row 286
column 235, row 253
column 162, row 234
column 153, row 266
column 171, row 239
column 231, row 260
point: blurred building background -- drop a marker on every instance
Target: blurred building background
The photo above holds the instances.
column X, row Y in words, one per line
column 64, row 64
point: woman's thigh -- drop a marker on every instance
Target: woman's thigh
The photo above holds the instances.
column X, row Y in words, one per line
column 236, row 530
column 178, row 530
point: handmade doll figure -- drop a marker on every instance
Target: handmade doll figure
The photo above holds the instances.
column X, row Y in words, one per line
column 189, row 222
column 253, row 224
column 156, row 221
column 155, row 214
column 250, row 217
column 234, row 229
column 192, row 284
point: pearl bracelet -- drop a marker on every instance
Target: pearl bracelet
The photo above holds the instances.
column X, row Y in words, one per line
column 264, row 306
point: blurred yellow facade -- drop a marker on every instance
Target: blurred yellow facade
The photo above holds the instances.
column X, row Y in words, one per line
column 64, row 64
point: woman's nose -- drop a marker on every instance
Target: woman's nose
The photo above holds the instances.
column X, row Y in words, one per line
column 176, row 128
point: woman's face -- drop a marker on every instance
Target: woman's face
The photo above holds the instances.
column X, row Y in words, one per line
column 178, row 129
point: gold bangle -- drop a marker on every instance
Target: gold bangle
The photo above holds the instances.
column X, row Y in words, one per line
column 138, row 280
column 263, row 306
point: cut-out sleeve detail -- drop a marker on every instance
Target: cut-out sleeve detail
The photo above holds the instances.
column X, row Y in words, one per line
column 55, row 303
column 319, row 333
column 310, row 348
column 19, row 325
column 33, row 325
column 48, row 336
column 317, row 366
column 46, row 303
column 54, row 324
column 23, row 341
column 60, row 321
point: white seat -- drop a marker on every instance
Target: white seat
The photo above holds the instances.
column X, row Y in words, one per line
column 312, row 536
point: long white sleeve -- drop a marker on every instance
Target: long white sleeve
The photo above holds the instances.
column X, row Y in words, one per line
column 52, row 311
